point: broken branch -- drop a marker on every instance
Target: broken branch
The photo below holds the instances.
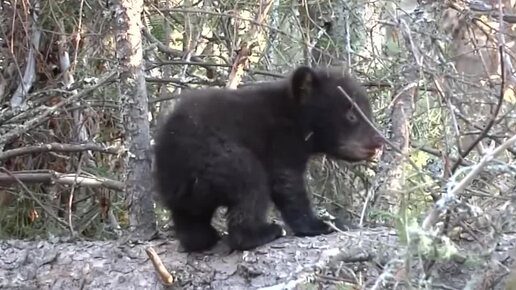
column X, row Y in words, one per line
column 50, row 176
column 57, row 147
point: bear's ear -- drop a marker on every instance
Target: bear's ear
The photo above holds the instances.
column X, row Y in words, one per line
column 303, row 83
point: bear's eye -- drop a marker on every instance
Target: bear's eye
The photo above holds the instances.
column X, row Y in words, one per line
column 351, row 116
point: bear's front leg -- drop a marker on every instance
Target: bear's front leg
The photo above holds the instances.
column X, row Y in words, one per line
column 291, row 198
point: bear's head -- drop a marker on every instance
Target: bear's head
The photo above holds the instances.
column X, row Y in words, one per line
column 336, row 126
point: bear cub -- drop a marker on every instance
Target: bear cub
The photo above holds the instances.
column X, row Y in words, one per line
column 248, row 148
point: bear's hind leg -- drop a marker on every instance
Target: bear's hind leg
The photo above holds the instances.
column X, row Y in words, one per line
column 248, row 227
column 235, row 178
column 247, row 213
column 195, row 232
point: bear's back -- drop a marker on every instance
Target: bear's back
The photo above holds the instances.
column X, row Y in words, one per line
column 245, row 116
column 208, row 121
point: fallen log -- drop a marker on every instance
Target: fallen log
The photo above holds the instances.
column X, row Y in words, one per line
column 353, row 258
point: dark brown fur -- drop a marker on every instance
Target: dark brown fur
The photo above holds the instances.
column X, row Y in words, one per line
column 245, row 148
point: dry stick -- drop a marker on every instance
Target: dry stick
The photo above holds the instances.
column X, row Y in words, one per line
column 164, row 274
column 57, row 147
column 50, row 176
column 35, row 199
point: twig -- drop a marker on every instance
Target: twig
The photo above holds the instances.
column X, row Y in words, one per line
column 164, row 274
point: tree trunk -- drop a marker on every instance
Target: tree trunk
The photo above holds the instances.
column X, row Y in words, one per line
column 133, row 94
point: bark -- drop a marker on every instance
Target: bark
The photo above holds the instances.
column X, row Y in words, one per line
column 133, row 94
column 351, row 259
column 112, row 265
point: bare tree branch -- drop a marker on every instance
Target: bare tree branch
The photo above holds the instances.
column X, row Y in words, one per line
column 50, row 176
column 58, row 147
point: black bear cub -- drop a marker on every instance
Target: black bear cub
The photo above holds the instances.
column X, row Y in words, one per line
column 247, row 147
